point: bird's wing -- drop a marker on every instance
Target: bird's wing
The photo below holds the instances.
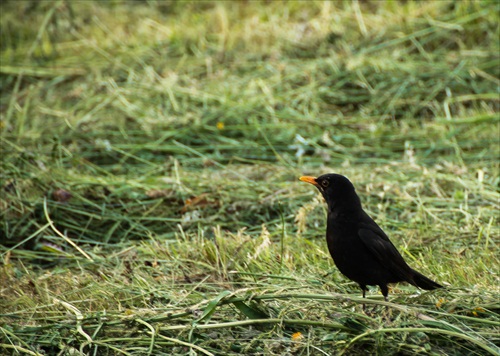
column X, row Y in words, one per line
column 382, row 248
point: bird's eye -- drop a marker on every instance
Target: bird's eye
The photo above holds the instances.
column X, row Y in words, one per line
column 324, row 183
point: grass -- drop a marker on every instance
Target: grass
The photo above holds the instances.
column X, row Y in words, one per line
column 150, row 155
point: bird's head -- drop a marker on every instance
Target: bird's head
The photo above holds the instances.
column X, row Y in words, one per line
column 337, row 190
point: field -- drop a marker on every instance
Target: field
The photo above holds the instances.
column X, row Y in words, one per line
column 150, row 201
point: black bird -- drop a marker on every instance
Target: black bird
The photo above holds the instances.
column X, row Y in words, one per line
column 360, row 249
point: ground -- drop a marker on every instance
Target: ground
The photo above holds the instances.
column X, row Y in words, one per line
column 151, row 151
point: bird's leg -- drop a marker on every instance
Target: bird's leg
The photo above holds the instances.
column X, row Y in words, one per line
column 363, row 288
column 385, row 293
column 384, row 290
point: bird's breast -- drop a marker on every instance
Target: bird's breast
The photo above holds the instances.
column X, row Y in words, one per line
column 349, row 253
column 343, row 241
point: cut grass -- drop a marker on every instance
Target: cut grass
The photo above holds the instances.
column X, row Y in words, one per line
column 150, row 155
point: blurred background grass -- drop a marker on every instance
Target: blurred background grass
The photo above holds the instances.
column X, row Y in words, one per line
column 150, row 155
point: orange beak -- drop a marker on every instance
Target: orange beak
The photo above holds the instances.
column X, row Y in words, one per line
column 310, row 180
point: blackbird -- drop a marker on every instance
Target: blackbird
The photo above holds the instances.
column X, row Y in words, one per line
column 360, row 249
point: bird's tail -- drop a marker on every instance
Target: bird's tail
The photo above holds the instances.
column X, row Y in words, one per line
column 423, row 282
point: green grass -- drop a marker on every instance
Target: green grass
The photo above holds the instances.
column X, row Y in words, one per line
column 151, row 150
